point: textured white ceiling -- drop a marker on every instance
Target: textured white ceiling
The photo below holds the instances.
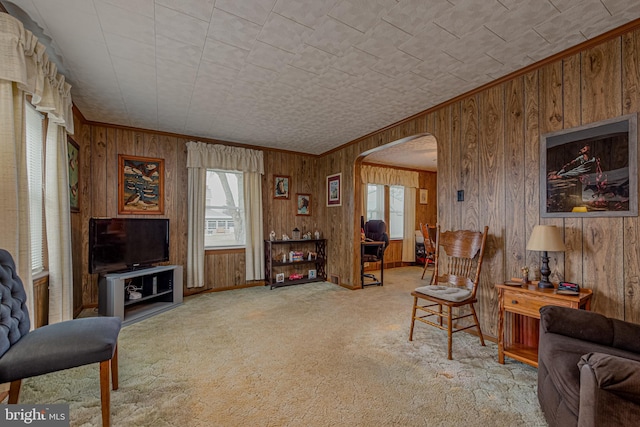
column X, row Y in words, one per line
column 419, row 152
column 300, row 75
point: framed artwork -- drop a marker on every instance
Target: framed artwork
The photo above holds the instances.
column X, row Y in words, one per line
column 312, row 274
column 424, row 196
column 334, row 190
column 280, row 277
column 591, row 170
column 303, row 204
column 73, row 154
column 140, row 185
column 281, row 187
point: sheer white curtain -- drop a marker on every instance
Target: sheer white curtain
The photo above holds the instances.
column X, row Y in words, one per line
column 254, row 252
column 25, row 69
column 409, row 241
column 14, row 191
column 200, row 157
column 58, row 219
column 195, row 226
column 410, row 181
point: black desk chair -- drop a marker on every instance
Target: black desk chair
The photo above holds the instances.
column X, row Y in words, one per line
column 372, row 250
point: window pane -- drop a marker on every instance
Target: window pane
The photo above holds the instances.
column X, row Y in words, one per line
column 35, row 149
column 375, row 201
column 224, row 209
column 396, row 212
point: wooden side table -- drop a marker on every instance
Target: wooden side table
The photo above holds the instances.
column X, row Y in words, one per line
column 519, row 318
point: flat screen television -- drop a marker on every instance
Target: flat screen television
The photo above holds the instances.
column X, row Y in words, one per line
column 124, row 244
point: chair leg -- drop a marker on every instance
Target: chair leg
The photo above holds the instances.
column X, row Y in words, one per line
column 14, row 391
column 424, row 270
column 413, row 317
column 449, row 333
column 114, row 369
column 475, row 318
column 105, row 397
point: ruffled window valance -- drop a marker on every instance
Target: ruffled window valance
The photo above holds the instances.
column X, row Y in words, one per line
column 226, row 157
column 25, row 62
column 388, row 176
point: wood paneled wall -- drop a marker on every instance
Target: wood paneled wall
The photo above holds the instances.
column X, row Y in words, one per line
column 488, row 146
column 224, row 269
column 427, row 214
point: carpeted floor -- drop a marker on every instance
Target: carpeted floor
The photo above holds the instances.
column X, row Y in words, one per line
column 307, row 355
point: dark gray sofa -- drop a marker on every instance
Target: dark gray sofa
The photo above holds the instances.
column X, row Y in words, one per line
column 588, row 369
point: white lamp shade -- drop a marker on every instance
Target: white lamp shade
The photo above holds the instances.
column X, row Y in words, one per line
column 546, row 238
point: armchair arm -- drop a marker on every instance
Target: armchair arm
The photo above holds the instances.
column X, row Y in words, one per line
column 609, row 390
column 615, row 374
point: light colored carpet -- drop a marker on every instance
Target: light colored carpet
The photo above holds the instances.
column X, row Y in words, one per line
column 306, row 355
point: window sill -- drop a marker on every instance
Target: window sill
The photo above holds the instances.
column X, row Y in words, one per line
column 39, row 275
column 224, row 249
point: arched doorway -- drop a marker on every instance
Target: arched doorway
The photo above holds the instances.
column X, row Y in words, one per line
column 415, row 153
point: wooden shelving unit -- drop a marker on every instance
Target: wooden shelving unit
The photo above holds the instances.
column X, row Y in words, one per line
column 272, row 266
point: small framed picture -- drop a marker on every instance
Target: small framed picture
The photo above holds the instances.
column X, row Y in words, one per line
column 281, row 187
column 74, row 173
column 303, row 204
column 312, row 274
column 334, row 190
column 280, row 277
column 424, row 196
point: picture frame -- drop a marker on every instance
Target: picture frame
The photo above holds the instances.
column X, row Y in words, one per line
column 281, row 186
column 424, row 196
column 334, row 190
column 303, row 204
column 73, row 158
column 140, row 185
column 313, row 274
column 590, row 170
column 280, row 278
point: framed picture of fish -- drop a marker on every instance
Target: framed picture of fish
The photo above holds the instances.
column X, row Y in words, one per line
column 140, row 185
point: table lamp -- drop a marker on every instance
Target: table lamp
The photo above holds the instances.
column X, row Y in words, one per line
column 545, row 238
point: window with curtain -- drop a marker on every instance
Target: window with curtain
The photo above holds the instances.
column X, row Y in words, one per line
column 375, row 201
column 224, row 209
column 396, row 212
column 35, row 173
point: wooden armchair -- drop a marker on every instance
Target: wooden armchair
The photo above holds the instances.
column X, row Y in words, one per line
column 429, row 235
column 458, row 260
